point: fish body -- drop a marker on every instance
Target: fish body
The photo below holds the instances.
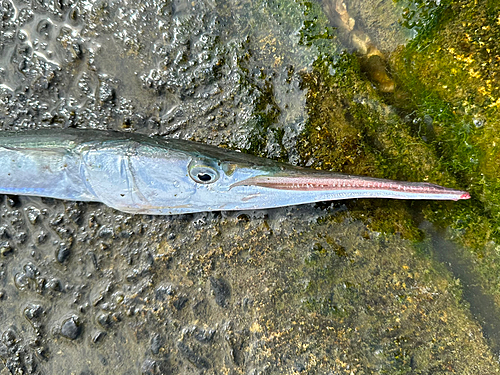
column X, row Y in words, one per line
column 152, row 175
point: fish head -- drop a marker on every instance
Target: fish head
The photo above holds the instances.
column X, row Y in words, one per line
column 228, row 180
column 224, row 180
column 177, row 176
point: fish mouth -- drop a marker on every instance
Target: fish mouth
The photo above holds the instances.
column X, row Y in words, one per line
column 340, row 182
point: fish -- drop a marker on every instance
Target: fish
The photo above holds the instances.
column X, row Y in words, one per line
column 140, row 174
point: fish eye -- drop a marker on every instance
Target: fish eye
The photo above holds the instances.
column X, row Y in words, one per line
column 203, row 174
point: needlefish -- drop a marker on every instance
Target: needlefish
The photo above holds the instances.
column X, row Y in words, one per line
column 152, row 175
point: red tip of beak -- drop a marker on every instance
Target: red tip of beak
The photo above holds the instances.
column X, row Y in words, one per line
column 465, row 196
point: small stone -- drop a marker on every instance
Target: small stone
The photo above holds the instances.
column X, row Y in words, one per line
column 156, row 343
column 116, row 317
column 33, row 312
column 105, row 232
column 21, row 237
column 118, row 297
column 203, row 335
column 21, row 281
column 77, row 50
column 41, row 238
column 71, row 328
column 63, row 253
column 221, row 290
column 98, row 336
column 58, row 220
column 179, row 302
column 5, row 248
column 106, row 93
column 104, row 320
column 40, row 283
column 9, row 337
column 54, row 285
column 30, row 271
column 33, row 214
column 12, row 201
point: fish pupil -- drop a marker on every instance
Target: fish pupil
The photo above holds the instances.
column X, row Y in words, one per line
column 204, row 177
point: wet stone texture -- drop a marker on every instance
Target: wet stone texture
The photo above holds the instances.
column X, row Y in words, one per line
column 200, row 70
column 315, row 289
column 280, row 291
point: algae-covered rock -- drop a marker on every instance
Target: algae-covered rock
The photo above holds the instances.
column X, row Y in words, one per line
column 449, row 77
column 347, row 287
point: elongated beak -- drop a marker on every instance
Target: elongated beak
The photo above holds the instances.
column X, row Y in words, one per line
column 349, row 186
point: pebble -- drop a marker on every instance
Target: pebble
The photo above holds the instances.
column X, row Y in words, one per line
column 71, row 328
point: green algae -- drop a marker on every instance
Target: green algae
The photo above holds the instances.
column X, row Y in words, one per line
column 296, row 33
column 422, row 16
column 450, row 74
column 352, row 130
column 440, row 125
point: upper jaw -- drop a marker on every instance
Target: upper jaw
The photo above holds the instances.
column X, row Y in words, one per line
column 308, row 181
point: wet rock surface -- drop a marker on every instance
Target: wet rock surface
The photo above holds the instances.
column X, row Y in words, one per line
column 71, row 328
column 200, row 70
column 86, row 289
column 234, row 291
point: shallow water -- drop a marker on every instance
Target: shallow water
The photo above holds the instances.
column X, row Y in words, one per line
column 482, row 305
column 349, row 287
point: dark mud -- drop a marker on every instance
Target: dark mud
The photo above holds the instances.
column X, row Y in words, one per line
column 264, row 292
column 316, row 289
column 199, row 70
